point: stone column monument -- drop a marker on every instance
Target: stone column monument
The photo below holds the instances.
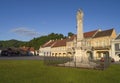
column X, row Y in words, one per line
column 78, row 49
column 80, row 57
column 79, row 18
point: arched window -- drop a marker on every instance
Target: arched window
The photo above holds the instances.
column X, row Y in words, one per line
column 119, row 55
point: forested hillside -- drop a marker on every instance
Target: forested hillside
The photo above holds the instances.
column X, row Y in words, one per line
column 35, row 42
column 11, row 43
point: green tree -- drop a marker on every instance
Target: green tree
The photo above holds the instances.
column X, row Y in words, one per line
column 70, row 34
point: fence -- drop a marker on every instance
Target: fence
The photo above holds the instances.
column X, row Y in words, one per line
column 55, row 60
column 70, row 61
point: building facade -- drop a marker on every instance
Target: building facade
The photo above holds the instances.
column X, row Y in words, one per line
column 101, row 43
column 45, row 50
column 59, row 48
column 116, row 48
column 96, row 43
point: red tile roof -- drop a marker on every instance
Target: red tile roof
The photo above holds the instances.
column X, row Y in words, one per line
column 60, row 43
column 49, row 43
column 90, row 34
column 86, row 35
column 55, row 43
column 27, row 48
column 104, row 33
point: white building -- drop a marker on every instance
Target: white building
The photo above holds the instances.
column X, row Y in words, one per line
column 116, row 48
column 45, row 50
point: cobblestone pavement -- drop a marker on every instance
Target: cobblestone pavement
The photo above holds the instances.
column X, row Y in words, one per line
column 21, row 58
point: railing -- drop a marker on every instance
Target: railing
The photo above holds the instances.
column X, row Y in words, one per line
column 55, row 60
column 101, row 47
column 71, row 62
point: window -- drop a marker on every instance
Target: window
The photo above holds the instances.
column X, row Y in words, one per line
column 44, row 53
column 55, row 54
column 99, row 55
column 89, row 43
column 102, row 43
column 105, row 43
column 52, row 54
column 119, row 46
column 59, row 54
column 119, row 55
column 96, row 43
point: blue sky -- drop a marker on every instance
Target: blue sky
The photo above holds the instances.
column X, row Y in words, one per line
column 25, row 19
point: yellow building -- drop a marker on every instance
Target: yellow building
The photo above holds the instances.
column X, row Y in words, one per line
column 45, row 49
column 95, row 44
column 59, row 48
column 101, row 43
column 70, row 45
column 54, row 48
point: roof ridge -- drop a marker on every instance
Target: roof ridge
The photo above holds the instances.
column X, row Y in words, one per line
column 118, row 37
column 96, row 32
column 53, row 43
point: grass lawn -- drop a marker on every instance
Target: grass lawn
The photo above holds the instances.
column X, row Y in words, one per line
column 34, row 71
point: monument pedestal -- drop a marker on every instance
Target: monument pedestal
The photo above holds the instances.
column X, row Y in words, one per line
column 80, row 60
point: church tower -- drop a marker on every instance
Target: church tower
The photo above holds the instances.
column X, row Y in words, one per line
column 79, row 25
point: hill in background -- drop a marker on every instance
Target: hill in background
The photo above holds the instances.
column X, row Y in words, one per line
column 35, row 42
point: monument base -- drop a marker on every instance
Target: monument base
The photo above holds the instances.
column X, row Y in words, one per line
column 81, row 65
column 80, row 60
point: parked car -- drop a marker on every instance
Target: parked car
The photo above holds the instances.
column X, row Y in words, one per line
column 110, row 58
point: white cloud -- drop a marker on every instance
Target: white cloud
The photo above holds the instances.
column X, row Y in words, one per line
column 25, row 32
